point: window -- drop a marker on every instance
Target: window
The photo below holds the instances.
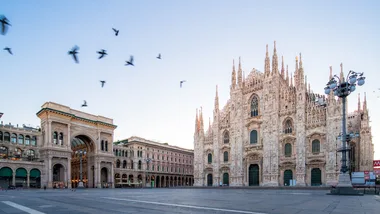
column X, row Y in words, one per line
column 21, row 139
column 3, row 152
column 1, row 136
column 55, row 137
column 131, row 164
column 102, row 145
column 27, row 140
column 61, row 138
column 34, row 141
column 139, row 165
column 225, row 156
column 253, row 137
column 14, row 138
column 17, row 153
column 316, row 146
column 106, row 146
column 7, row 136
column 288, row 129
column 254, row 106
column 118, row 164
column 226, row 137
column 124, row 164
column 288, row 150
column 209, row 158
column 31, row 154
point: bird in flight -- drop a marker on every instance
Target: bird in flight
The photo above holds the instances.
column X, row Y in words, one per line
column 180, row 83
column 84, row 103
column 103, row 82
column 9, row 50
column 102, row 53
column 4, row 22
column 116, row 31
column 130, row 62
column 159, row 56
column 73, row 52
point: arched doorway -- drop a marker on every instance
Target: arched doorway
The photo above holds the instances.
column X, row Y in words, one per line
column 21, row 177
column 6, row 176
column 35, row 178
column 83, row 149
column 104, row 177
column 226, row 180
column 253, row 175
column 316, row 177
column 209, row 180
column 58, row 175
column 288, row 175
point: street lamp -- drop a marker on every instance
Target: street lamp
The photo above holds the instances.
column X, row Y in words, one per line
column 342, row 88
column 81, row 153
column 148, row 160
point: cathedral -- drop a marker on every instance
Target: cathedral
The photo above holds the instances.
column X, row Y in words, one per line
column 272, row 132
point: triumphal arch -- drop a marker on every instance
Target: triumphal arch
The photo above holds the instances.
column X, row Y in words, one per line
column 72, row 139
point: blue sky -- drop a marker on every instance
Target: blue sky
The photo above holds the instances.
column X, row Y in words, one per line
column 198, row 41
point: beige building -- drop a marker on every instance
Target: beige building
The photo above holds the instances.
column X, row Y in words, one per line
column 272, row 131
column 148, row 163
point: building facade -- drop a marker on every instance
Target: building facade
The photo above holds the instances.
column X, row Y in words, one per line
column 272, row 131
column 142, row 162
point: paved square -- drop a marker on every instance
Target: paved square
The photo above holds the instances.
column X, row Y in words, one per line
column 149, row 201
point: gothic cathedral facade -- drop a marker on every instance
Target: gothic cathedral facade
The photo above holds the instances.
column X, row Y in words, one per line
column 271, row 132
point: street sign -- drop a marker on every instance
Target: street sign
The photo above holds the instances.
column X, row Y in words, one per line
column 376, row 163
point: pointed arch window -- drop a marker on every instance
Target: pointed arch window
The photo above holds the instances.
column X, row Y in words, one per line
column 253, row 137
column 316, row 146
column 61, row 138
column 14, row 138
column 209, row 158
column 20, row 139
column 288, row 150
column 254, row 106
column 288, row 129
column 55, row 137
column 226, row 137
column 225, row 156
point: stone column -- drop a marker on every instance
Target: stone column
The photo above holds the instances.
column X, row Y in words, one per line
column 27, row 180
column 68, row 145
column 49, row 134
column 97, row 175
column 50, row 173
column 68, row 181
column 112, row 176
column 13, row 178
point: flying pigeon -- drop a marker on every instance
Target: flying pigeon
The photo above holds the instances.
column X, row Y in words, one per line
column 4, row 22
column 116, row 31
column 102, row 53
column 103, row 82
column 74, row 52
column 159, row 56
column 130, row 62
column 84, row 104
column 9, row 50
column 180, row 83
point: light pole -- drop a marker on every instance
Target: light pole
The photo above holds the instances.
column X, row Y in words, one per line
column 81, row 153
column 148, row 160
column 342, row 88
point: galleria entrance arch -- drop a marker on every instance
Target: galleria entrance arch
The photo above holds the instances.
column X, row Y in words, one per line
column 71, row 135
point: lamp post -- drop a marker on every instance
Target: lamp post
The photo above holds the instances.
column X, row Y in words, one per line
column 148, row 160
column 81, row 153
column 342, row 88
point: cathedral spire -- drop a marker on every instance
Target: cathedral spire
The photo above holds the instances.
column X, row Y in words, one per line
column 196, row 122
column 201, row 121
column 331, row 75
column 274, row 60
column 233, row 77
column 209, row 124
column 299, row 77
column 282, row 67
column 365, row 102
column 359, row 102
column 341, row 73
column 240, row 78
column 287, row 74
column 216, row 104
column 267, row 64
column 291, row 79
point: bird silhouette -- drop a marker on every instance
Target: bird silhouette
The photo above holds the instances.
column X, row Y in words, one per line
column 84, row 103
column 74, row 52
column 116, row 31
column 4, row 24
column 102, row 53
column 180, row 83
column 159, row 56
column 103, row 82
column 9, row 50
column 130, row 62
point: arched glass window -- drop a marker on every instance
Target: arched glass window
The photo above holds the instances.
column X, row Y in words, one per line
column 226, row 137
column 20, row 139
column 14, row 138
column 225, row 156
column 209, row 158
column 253, row 137
column 31, row 154
column 55, row 137
column 316, row 146
column 124, row 164
column 254, row 106
column 288, row 127
column 288, row 150
column 61, row 138
column 131, row 164
column 3, row 152
column 34, row 141
column 117, row 163
column 27, row 140
column 7, row 137
column 17, row 153
column 122, row 153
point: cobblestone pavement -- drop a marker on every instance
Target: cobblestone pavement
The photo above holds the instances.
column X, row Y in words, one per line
column 147, row 201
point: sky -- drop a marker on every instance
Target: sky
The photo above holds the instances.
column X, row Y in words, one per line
column 197, row 39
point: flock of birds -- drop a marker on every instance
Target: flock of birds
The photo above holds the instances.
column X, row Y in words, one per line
column 74, row 51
